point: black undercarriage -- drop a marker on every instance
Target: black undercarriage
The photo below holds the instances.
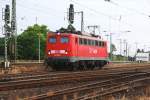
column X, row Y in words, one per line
column 67, row 63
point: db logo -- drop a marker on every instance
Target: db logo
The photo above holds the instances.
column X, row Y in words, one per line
column 92, row 51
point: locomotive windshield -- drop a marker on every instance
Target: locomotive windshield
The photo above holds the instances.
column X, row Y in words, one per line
column 64, row 40
column 52, row 40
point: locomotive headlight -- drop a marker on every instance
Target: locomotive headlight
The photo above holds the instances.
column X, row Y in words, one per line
column 49, row 52
column 66, row 52
column 58, row 33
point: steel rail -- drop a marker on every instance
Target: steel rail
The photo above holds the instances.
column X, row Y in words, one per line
column 57, row 79
column 37, row 75
column 44, row 74
column 54, row 80
column 114, row 89
column 84, row 87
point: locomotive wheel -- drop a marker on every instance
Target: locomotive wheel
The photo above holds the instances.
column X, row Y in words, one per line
column 46, row 64
column 93, row 67
column 101, row 65
column 48, row 67
column 74, row 66
column 84, row 67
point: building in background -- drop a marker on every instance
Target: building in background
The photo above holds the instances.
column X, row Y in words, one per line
column 143, row 56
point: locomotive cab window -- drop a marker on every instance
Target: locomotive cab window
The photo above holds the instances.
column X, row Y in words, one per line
column 52, row 40
column 64, row 40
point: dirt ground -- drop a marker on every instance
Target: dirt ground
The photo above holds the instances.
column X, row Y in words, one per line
column 38, row 67
column 133, row 98
column 23, row 68
column 115, row 65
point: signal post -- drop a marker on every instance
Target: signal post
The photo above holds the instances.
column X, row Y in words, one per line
column 71, row 17
column 7, row 31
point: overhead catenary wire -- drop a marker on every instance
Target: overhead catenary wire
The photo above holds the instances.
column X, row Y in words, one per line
column 45, row 10
column 101, row 13
column 33, row 12
column 97, row 12
column 129, row 9
column 41, row 7
column 93, row 10
column 33, row 9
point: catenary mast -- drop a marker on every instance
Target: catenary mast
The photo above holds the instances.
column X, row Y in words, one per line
column 14, row 31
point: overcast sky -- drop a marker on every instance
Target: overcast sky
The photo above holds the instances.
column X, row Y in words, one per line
column 117, row 17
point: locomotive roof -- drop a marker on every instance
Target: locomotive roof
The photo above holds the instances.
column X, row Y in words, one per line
column 79, row 35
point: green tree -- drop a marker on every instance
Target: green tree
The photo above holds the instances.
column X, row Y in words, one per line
column 113, row 47
column 28, row 42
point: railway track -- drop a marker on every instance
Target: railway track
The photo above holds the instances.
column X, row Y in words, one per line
column 39, row 80
column 9, row 77
column 97, row 89
column 53, row 79
column 21, row 76
column 26, row 76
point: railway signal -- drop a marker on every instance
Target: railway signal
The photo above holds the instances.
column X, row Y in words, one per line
column 71, row 14
column 7, row 14
column 7, row 33
column 7, row 20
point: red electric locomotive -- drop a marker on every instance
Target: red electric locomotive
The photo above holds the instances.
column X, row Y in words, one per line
column 75, row 51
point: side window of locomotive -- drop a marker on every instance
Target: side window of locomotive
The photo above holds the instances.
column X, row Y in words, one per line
column 52, row 40
column 89, row 42
column 80, row 41
column 64, row 40
column 96, row 43
column 85, row 42
column 93, row 42
column 100, row 43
